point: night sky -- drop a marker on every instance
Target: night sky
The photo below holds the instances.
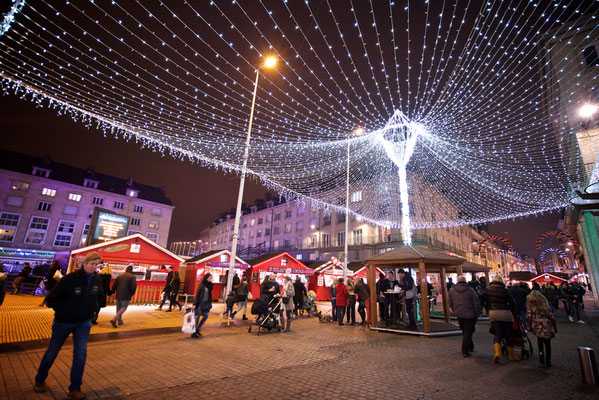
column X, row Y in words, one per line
column 199, row 194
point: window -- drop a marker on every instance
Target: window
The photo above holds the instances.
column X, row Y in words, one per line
column 36, row 234
column 277, row 230
column 340, row 238
column 313, row 241
column 97, row 201
column 153, row 224
column 132, row 193
column 287, row 243
column 64, row 234
column 131, row 232
column 358, row 236
column 326, row 240
column 275, row 244
column 356, row 196
column 138, row 209
column 90, row 183
column 48, row 192
column 298, row 242
column 74, row 197
column 156, row 212
column 135, row 221
column 277, row 216
column 22, row 186
column 251, row 234
column 300, row 211
column 287, row 228
column 90, row 214
column 15, row 201
column 299, row 226
column 298, row 256
column 590, row 55
column 71, row 210
column 153, row 236
column 340, row 218
column 119, row 204
column 44, row 173
column 84, row 234
column 260, row 221
column 326, row 220
column 8, row 226
column 268, row 217
column 267, row 232
column 288, row 213
column 259, row 233
column 313, row 223
column 253, row 222
column 44, row 206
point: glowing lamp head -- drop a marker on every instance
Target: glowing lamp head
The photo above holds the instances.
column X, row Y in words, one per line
column 587, row 110
column 270, row 62
column 359, row 131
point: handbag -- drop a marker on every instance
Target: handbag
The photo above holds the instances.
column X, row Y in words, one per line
column 189, row 323
column 285, row 300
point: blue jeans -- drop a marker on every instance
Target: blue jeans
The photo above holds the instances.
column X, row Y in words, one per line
column 334, row 309
column 410, row 311
column 60, row 333
column 390, row 310
column 204, row 316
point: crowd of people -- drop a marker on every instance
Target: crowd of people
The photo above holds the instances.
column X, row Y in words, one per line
column 344, row 299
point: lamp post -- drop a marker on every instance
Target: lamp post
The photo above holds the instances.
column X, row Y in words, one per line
column 268, row 63
column 358, row 132
column 586, row 112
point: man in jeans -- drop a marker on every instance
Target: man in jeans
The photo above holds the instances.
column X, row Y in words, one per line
column 74, row 300
column 125, row 286
column 407, row 284
column 464, row 303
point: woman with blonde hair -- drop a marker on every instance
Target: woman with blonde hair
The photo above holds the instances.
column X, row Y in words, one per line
column 540, row 321
column 105, row 276
column 287, row 295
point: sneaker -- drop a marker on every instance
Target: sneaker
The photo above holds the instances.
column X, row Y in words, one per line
column 76, row 394
column 40, row 387
column 113, row 323
column 233, row 315
column 580, row 321
column 570, row 318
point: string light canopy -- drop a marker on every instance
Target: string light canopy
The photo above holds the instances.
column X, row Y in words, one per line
column 449, row 93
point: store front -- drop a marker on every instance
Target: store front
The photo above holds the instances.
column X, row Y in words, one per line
column 150, row 263
column 215, row 262
column 281, row 264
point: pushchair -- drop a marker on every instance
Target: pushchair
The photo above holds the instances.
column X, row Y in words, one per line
column 521, row 339
column 267, row 315
column 309, row 307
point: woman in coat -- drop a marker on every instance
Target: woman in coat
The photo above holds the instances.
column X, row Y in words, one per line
column 105, row 276
column 202, row 303
column 287, row 295
column 540, row 321
column 363, row 291
column 175, row 285
column 501, row 304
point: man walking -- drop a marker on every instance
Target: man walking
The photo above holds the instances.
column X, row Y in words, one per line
column 74, row 300
column 168, row 289
column 125, row 286
column 464, row 303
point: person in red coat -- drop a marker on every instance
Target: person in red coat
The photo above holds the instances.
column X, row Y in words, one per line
column 342, row 300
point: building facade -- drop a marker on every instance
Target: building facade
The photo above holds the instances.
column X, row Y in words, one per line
column 46, row 207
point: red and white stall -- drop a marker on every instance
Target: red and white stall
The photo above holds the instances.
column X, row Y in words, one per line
column 323, row 278
column 214, row 262
column 281, row 264
column 361, row 273
column 149, row 260
column 546, row 278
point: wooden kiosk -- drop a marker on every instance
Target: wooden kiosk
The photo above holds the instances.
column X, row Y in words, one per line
column 425, row 261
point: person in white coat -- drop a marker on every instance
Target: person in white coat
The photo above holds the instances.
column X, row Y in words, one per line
column 288, row 306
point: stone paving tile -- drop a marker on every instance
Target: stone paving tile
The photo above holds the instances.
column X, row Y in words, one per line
column 315, row 360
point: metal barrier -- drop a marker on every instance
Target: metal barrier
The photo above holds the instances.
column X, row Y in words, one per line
column 588, row 365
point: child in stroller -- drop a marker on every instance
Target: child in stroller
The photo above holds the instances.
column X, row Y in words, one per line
column 521, row 339
column 309, row 305
column 267, row 315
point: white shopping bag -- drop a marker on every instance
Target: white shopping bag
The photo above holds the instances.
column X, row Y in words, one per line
column 189, row 323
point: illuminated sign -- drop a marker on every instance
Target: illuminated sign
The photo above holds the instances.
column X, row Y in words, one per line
column 115, row 248
column 106, row 225
column 283, row 270
column 226, row 264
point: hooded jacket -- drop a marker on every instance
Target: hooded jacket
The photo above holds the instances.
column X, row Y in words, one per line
column 75, row 297
column 463, row 301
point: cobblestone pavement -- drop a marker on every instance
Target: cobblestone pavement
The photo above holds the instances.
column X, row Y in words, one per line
column 314, row 360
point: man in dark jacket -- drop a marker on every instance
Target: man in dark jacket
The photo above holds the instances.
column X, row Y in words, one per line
column 166, row 292
column 300, row 292
column 519, row 293
column 74, row 300
column 407, row 285
column 464, row 303
column 22, row 277
column 125, row 286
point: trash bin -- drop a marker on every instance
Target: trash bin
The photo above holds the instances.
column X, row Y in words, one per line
column 588, row 365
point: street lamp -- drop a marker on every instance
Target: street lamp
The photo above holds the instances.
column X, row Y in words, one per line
column 587, row 110
column 268, row 63
column 357, row 132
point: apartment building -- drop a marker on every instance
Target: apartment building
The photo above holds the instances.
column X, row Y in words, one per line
column 46, row 206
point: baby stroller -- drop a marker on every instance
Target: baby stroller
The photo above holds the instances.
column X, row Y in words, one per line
column 521, row 339
column 310, row 304
column 267, row 315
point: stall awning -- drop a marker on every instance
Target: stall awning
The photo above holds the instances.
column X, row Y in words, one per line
column 546, row 278
column 281, row 263
column 218, row 259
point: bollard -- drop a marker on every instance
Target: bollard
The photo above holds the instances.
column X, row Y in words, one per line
column 588, row 365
